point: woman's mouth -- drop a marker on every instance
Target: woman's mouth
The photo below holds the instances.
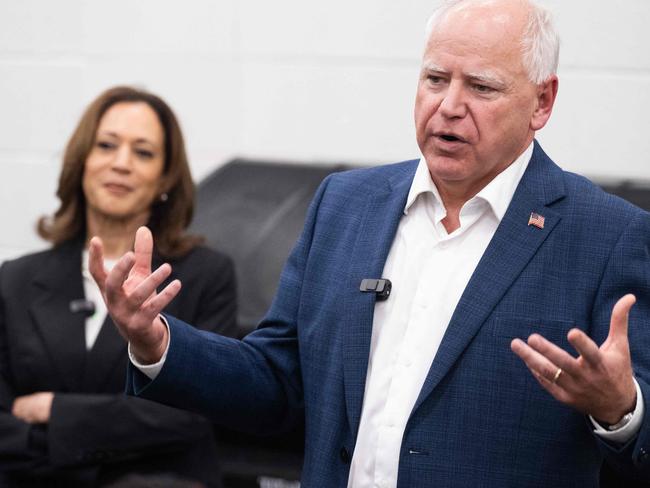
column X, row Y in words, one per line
column 118, row 188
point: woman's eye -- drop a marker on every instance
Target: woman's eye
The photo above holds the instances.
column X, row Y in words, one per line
column 105, row 145
column 144, row 154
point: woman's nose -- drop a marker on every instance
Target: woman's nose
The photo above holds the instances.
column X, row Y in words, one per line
column 122, row 160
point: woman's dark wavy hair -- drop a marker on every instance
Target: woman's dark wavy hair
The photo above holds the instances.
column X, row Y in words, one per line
column 168, row 219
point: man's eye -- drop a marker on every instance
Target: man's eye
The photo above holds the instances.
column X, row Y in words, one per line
column 435, row 79
column 483, row 88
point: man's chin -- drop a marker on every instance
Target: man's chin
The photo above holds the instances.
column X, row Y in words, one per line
column 448, row 168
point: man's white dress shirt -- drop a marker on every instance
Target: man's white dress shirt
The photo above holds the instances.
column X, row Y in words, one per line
column 429, row 270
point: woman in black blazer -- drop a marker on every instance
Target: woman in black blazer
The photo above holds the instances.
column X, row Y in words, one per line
column 64, row 420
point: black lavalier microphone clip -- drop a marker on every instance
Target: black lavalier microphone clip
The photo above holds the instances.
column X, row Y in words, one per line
column 83, row 306
column 381, row 287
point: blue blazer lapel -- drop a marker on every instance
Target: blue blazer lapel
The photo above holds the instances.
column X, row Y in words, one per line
column 511, row 248
column 382, row 214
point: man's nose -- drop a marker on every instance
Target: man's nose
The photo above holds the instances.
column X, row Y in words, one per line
column 453, row 104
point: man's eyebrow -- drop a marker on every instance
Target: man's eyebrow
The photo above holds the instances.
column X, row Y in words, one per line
column 480, row 76
column 432, row 67
column 486, row 77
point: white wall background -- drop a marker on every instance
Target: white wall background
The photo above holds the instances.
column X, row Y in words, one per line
column 289, row 79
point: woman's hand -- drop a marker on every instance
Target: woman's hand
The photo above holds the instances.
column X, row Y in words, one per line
column 34, row 408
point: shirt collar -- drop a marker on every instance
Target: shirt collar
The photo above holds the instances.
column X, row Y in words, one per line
column 497, row 193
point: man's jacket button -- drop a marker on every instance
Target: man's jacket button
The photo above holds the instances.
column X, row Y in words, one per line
column 345, row 455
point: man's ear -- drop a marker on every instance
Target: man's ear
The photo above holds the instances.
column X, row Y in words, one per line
column 546, row 94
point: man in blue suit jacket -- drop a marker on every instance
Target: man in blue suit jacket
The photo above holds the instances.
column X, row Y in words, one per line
column 486, row 228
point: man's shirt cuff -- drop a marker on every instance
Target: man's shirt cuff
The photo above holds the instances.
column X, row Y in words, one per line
column 152, row 370
column 629, row 430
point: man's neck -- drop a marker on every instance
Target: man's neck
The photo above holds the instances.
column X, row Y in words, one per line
column 453, row 202
column 455, row 194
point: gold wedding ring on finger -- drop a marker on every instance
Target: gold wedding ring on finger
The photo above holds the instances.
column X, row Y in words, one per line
column 557, row 375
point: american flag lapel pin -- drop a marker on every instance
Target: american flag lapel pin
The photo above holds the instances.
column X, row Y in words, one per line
column 536, row 219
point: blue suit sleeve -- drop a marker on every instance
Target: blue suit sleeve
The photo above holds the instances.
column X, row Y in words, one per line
column 251, row 385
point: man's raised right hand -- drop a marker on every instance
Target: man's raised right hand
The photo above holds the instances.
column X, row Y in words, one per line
column 129, row 291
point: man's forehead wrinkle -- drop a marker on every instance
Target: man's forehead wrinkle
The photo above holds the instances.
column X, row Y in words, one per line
column 486, row 48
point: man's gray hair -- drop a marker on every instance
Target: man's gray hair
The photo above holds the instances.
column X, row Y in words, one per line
column 540, row 42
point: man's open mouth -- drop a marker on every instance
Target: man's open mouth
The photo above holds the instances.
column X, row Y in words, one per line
column 450, row 138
